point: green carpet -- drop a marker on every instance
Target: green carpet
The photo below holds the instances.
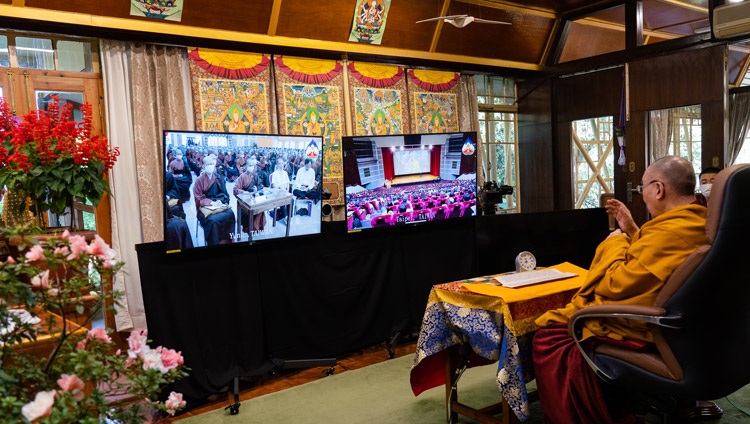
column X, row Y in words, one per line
column 381, row 394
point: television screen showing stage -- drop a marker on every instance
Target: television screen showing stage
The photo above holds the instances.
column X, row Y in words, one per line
column 409, row 179
column 230, row 189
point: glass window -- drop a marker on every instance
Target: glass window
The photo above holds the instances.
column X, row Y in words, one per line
column 593, row 160
column 497, row 131
column 4, row 52
column 676, row 131
column 74, row 56
column 36, row 53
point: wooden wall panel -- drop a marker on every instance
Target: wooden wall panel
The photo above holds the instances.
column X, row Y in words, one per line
column 690, row 77
column 535, row 146
column 588, row 95
column 297, row 17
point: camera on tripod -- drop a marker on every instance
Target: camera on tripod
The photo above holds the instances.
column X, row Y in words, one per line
column 492, row 195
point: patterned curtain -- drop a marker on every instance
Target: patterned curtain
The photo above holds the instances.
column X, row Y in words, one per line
column 232, row 91
column 739, row 120
column 433, row 101
column 378, row 99
column 311, row 102
column 141, row 103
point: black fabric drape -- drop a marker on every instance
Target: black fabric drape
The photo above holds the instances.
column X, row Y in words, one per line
column 235, row 310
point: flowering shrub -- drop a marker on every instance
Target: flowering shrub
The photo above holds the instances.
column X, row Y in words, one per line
column 51, row 158
column 79, row 378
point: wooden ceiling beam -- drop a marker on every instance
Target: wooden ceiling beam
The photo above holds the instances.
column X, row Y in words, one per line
column 273, row 21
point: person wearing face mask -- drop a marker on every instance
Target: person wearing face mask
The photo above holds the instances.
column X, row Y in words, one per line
column 179, row 169
column 248, row 183
column 212, row 204
column 705, row 181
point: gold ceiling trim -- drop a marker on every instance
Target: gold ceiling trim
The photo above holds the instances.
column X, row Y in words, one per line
column 138, row 25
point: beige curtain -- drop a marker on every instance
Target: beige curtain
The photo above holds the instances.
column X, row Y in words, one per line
column 147, row 90
column 661, row 132
column 739, row 120
column 468, row 112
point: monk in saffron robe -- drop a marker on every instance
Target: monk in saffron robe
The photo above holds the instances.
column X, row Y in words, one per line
column 212, row 204
column 630, row 266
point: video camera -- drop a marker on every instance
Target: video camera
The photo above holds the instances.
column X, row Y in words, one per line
column 491, row 195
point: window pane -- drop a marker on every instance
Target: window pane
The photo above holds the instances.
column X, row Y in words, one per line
column 35, row 53
column 74, row 56
column 4, row 53
column 44, row 98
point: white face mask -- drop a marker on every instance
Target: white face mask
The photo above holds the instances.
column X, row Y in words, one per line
column 706, row 189
column 210, row 169
column 179, row 156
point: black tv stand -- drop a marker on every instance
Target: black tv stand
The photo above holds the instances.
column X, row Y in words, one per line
column 283, row 364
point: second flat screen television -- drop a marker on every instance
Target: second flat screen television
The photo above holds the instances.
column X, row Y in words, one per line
column 409, row 179
column 268, row 188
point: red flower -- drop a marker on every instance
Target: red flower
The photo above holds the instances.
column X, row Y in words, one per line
column 53, row 158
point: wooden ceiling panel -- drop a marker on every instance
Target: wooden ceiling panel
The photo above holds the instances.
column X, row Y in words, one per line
column 522, row 41
column 671, row 16
column 233, row 15
column 588, row 40
column 402, row 31
column 104, row 8
column 329, row 22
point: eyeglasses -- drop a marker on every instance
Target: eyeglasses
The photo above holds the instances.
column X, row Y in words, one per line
column 641, row 186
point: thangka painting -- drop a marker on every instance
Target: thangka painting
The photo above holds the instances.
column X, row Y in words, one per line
column 368, row 24
column 239, row 101
column 311, row 96
column 378, row 94
column 434, row 101
column 169, row 10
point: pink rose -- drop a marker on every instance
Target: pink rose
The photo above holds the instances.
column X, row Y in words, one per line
column 174, row 402
column 40, row 407
column 61, row 251
column 99, row 333
column 101, row 249
column 170, row 358
column 78, row 245
column 41, row 280
column 36, row 253
column 152, row 361
column 73, row 384
column 137, row 342
column 10, row 260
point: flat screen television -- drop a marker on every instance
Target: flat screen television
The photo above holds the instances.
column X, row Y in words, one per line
column 260, row 187
column 397, row 180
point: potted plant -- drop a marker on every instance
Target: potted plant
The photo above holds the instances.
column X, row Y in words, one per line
column 51, row 159
column 55, row 371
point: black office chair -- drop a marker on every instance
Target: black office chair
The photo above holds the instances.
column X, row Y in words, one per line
column 700, row 319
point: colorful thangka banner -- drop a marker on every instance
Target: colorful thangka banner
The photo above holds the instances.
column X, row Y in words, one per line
column 237, row 101
column 368, row 23
column 169, row 10
column 434, row 101
column 378, row 94
column 311, row 97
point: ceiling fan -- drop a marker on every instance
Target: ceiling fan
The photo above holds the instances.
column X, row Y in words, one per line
column 460, row 21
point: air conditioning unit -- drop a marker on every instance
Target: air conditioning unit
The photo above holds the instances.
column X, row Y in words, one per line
column 731, row 20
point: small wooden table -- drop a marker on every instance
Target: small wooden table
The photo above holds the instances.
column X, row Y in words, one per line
column 273, row 200
column 484, row 329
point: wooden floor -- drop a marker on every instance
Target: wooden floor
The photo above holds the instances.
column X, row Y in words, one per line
column 284, row 379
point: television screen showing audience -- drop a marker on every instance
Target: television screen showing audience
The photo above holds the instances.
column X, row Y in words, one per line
column 228, row 188
column 409, row 179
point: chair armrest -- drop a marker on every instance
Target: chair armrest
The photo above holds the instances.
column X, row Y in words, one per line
column 650, row 314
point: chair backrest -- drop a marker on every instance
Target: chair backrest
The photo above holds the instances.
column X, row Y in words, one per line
column 710, row 292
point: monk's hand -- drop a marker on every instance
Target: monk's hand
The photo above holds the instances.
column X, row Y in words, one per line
column 622, row 215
